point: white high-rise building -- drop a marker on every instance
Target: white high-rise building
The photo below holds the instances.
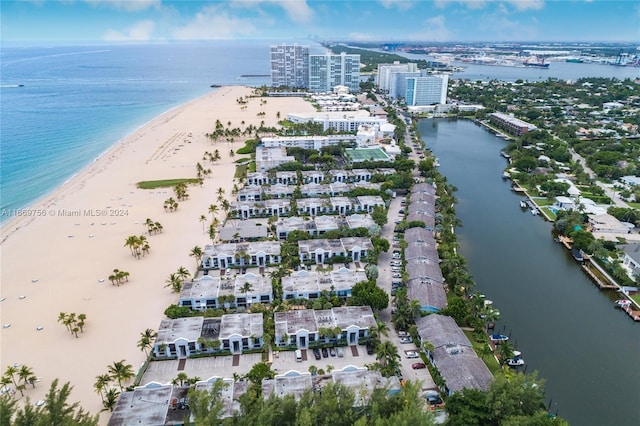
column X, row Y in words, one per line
column 398, row 83
column 427, row 90
column 328, row 71
column 290, row 65
column 385, row 72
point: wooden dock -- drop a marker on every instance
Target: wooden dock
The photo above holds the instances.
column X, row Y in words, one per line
column 603, row 285
column 635, row 315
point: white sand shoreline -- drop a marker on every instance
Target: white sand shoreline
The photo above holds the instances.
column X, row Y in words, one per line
column 61, row 262
column 41, row 201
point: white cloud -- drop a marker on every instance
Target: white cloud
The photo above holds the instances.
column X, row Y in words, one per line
column 212, row 23
column 527, row 4
column 435, row 30
column 400, row 4
column 128, row 5
column 362, row 37
column 297, row 10
column 141, row 31
column 479, row 4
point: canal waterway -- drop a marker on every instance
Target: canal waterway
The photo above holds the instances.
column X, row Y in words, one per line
column 567, row 329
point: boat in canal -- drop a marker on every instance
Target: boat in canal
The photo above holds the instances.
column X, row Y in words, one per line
column 623, row 303
column 516, row 361
column 497, row 338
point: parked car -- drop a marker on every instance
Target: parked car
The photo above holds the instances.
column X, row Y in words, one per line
column 370, row 350
column 395, row 256
column 402, row 333
column 340, row 352
column 395, row 269
column 412, row 354
column 418, row 365
column 406, row 340
column 332, row 351
column 317, row 354
column 401, row 211
column 433, row 398
column 396, row 275
column 325, row 353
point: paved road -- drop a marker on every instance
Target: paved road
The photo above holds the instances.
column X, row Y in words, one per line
column 609, row 192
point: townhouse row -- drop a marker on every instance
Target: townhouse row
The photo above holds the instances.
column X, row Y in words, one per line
column 314, row 206
column 314, row 176
column 264, row 192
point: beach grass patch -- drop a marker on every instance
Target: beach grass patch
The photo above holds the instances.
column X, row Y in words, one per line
column 241, row 171
column 636, row 297
column 249, row 147
column 252, row 167
column 166, row 183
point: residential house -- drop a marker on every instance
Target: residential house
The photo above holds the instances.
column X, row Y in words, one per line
column 266, row 208
column 453, row 354
column 247, row 254
column 605, row 223
column 151, row 404
column 302, row 327
column 310, row 284
column 320, row 250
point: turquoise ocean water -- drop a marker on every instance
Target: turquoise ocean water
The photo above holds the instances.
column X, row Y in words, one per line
column 61, row 107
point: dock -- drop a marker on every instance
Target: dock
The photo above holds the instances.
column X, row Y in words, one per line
column 635, row 315
column 601, row 284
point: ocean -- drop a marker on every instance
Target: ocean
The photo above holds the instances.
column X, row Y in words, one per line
column 62, row 106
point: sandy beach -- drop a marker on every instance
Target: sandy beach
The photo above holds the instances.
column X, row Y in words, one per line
column 59, row 260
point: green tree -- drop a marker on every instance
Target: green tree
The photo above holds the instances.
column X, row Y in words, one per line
column 121, row 371
column 110, row 399
column 207, row 405
column 58, row 411
column 259, row 372
column 367, row 293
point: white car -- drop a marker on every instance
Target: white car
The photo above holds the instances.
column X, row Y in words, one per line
column 396, row 275
column 395, row 256
column 406, row 340
column 412, row 354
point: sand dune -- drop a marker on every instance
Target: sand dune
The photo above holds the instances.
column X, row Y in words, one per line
column 60, row 259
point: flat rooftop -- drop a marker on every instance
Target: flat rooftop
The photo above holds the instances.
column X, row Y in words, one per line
column 244, row 325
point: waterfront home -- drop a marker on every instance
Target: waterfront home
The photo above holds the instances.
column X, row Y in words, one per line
column 184, row 337
column 310, row 284
column 343, row 121
column 266, row 208
column 272, row 178
column 421, row 251
column 564, row 203
column 248, row 254
column 319, row 251
column 242, row 230
column 631, row 259
column 208, row 292
column 355, row 221
column 295, row 223
column 453, row 354
column 301, row 328
column 605, row 223
column 425, row 188
column 510, row 124
column 419, row 236
column 251, row 193
column 152, row 404
column 425, row 284
column 314, row 206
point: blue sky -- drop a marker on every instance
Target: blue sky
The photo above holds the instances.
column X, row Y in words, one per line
column 356, row 20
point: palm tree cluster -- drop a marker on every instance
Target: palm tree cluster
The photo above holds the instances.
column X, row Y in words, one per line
column 183, row 379
column 138, row 245
column 118, row 371
column 181, row 191
column 147, row 338
column 197, row 253
column 201, row 171
column 176, row 280
column 153, row 227
column 25, row 377
column 118, row 276
column 73, row 323
column 212, row 157
column 170, row 205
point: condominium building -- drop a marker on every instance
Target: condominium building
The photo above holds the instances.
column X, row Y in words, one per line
column 328, row 71
column 385, row 72
column 510, row 124
column 290, row 65
column 427, row 90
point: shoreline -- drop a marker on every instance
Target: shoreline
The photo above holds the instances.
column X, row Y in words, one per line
column 60, row 262
column 86, row 168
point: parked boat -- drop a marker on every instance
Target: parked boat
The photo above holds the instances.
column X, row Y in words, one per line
column 535, row 211
column 577, row 254
column 505, row 175
column 497, row 338
column 516, row 361
column 622, row 303
column 523, row 204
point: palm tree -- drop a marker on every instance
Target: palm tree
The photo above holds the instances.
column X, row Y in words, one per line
column 246, row 288
column 213, row 209
column 10, row 373
column 386, row 352
column 81, row 319
column 111, row 398
column 102, row 381
column 197, row 253
column 174, row 282
column 25, row 373
column 220, row 192
column 183, row 273
column 146, row 340
column 212, row 233
column 180, row 378
column 121, row 371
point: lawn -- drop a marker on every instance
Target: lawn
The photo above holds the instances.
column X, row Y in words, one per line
column 165, row 183
column 489, row 360
column 549, row 213
column 636, row 298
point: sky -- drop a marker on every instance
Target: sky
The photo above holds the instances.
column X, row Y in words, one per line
column 340, row 20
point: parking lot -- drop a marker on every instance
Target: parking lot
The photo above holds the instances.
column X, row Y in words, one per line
column 286, row 361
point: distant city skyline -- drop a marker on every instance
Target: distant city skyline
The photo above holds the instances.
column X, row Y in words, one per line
column 110, row 21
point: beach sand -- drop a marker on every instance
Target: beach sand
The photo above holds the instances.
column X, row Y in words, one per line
column 60, row 262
